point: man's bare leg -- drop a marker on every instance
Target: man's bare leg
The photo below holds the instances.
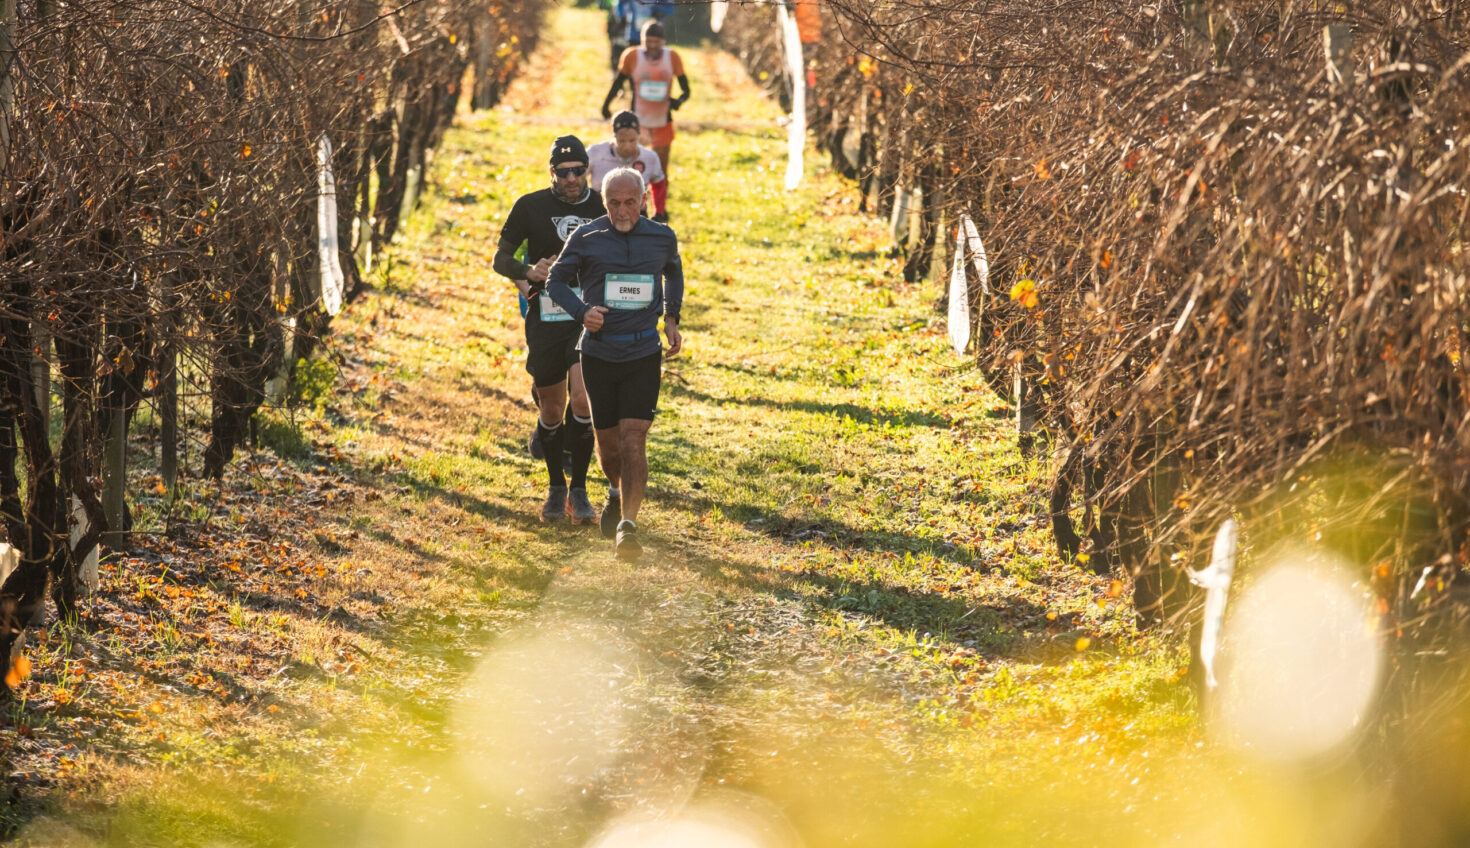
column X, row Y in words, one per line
column 553, row 400
column 633, row 463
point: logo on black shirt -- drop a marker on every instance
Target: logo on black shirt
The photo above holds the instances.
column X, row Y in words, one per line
column 568, row 225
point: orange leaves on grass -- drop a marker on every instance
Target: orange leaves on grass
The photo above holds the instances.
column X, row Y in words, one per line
column 20, row 669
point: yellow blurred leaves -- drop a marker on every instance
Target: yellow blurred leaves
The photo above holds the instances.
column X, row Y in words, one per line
column 1025, row 292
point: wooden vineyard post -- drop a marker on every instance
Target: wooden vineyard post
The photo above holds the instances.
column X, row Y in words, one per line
column 1337, row 44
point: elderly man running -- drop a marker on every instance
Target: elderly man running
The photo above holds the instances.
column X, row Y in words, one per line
column 629, row 273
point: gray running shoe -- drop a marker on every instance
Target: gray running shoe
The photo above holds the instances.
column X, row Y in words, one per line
column 612, row 513
column 627, row 545
column 538, row 451
column 555, row 507
column 581, row 507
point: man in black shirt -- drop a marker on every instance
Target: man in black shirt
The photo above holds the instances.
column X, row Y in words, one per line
column 540, row 222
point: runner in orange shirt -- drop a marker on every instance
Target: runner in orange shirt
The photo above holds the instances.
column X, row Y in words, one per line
column 652, row 69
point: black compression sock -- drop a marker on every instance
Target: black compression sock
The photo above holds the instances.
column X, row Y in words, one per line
column 551, row 441
column 579, row 440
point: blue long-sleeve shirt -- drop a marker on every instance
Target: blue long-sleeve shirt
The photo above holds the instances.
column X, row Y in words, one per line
column 638, row 275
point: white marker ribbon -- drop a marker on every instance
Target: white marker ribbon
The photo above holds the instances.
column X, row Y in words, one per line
column 1215, row 580
column 796, row 67
column 967, row 237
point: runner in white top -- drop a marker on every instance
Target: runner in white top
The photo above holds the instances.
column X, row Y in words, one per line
column 624, row 151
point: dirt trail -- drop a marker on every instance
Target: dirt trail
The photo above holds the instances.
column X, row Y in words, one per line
column 691, row 681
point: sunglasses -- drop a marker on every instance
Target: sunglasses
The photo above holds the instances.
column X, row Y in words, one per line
column 564, row 173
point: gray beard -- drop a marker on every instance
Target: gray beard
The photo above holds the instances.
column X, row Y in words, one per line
column 557, row 193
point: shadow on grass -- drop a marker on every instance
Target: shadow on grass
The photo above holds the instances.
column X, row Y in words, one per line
column 860, row 414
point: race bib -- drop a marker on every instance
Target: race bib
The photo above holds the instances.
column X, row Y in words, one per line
column 653, row 90
column 628, row 291
column 551, row 312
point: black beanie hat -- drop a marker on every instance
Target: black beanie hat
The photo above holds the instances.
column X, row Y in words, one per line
column 625, row 120
column 653, row 28
column 567, row 148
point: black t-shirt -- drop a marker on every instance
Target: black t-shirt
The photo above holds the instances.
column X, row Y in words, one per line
column 541, row 221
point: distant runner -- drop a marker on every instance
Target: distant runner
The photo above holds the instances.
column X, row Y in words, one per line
column 624, row 151
column 652, row 70
column 541, row 221
column 629, row 271
column 617, row 32
column 633, row 15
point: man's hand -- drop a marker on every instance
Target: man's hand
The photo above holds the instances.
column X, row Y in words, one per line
column 677, row 102
column 606, row 112
column 540, row 271
column 524, row 288
column 676, row 341
column 593, row 319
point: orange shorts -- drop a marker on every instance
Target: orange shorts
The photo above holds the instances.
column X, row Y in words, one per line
column 657, row 136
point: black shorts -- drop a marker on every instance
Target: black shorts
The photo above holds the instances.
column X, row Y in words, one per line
column 551, row 350
column 619, row 390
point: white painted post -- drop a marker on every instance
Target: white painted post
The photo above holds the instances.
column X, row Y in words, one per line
column 275, row 386
column 331, row 281
column 89, row 574
column 898, row 222
column 9, row 560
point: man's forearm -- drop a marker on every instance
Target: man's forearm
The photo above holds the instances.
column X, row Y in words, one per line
column 507, row 265
column 562, row 295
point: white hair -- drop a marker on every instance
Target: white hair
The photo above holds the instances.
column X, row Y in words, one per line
column 622, row 174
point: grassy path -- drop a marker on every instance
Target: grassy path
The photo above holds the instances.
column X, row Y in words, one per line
column 847, row 600
column 849, row 622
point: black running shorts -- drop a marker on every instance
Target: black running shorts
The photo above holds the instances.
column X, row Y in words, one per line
column 619, row 390
column 551, row 351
